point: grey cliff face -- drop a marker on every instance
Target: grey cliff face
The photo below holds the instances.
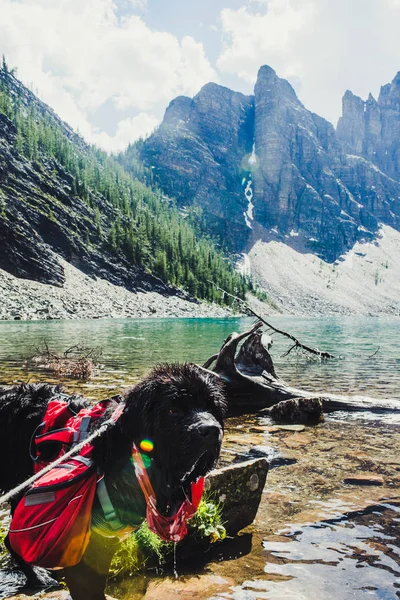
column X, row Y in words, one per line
column 371, row 129
column 264, row 166
column 298, row 189
column 196, row 156
column 351, row 126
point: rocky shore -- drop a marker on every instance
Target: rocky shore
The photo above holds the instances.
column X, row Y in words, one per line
column 364, row 282
column 84, row 297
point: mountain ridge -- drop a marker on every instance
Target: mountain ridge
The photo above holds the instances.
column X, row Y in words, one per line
column 302, row 182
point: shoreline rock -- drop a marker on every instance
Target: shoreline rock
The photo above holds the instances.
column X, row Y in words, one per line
column 85, row 297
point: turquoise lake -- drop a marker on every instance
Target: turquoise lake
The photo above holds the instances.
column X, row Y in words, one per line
column 367, row 363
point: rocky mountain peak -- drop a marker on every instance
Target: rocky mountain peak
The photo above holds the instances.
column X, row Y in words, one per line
column 196, row 152
column 352, row 103
column 178, row 111
column 371, row 129
column 268, row 84
column 390, row 93
column 214, row 89
column 264, row 166
column 266, row 72
column 396, row 81
column 351, row 126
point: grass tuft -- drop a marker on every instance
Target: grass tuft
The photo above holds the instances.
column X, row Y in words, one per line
column 144, row 546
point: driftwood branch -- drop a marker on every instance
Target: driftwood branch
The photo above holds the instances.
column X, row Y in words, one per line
column 297, row 343
column 226, row 356
column 289, row 351
column 253, row 385
column 77, row 361
column 210, row 361
column 375, row 353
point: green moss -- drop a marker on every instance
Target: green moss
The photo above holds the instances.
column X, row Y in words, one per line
column 127, row 560
column 141, row 547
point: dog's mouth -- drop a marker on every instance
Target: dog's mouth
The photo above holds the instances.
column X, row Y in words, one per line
column 179, row 489
column 204, row 463
column 200, row 468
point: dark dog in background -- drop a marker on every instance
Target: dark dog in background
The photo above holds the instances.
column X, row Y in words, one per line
column 179, row 407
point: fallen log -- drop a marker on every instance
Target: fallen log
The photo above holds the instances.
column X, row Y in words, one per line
column 253, row 384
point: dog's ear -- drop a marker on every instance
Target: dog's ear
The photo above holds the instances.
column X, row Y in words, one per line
column 215, row 389
column 131, row 426
column 138, row 417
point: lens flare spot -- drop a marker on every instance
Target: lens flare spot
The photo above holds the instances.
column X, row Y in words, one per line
column 146, row 445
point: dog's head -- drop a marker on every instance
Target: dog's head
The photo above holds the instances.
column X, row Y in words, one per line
column 180, row 409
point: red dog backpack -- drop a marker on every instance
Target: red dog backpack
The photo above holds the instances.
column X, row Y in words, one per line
column 51, row 525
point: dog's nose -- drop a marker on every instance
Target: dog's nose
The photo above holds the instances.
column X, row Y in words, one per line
column 209, row 432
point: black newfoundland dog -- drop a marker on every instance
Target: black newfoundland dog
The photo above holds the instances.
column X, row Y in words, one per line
column 179, row 407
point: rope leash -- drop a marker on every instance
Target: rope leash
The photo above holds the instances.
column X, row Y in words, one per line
column 75, row 450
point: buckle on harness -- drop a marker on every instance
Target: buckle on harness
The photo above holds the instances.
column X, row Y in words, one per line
column 82, row 432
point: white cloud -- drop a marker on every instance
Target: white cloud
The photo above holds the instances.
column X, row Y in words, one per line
column 133, row 4
column 128, row 130
column 251, row 37
column 79, row 56
column 323, row 47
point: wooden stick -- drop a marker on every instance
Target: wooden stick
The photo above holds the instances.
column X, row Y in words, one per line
column 284, row 333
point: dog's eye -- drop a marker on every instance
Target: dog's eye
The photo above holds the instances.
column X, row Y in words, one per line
column 175, row 412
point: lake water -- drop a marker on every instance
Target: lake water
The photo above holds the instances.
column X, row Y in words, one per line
column 315, row 537
column 367, row 362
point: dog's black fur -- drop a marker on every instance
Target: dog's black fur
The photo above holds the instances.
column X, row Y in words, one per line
column 179, row 407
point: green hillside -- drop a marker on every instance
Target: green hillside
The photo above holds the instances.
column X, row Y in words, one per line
column 58, row 193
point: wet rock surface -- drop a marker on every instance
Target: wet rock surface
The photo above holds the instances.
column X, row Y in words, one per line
column 238, row 489
column 298, row 410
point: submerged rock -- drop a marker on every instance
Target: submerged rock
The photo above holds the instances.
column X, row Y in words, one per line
column 298, row 410
column 276, row 428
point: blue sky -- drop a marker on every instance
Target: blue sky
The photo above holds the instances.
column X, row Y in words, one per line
column 110, row 67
